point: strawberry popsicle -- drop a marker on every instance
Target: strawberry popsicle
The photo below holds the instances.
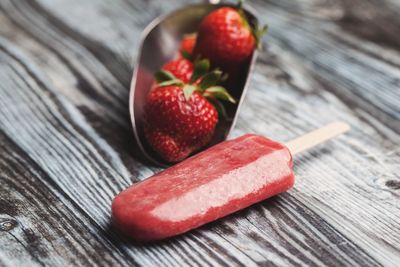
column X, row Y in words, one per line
column 219, row 181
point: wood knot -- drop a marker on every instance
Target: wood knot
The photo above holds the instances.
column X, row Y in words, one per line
column 7, row 224
column 393, row 184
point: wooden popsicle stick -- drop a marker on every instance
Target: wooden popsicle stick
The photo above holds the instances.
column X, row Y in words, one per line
column 316, row 137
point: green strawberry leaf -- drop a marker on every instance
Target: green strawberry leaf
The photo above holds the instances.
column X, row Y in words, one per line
column 188, row 90
column 256, row 30
column 240, row 4
column 210, row 79
column 219, row 92
column 171, row 82
column 186, row 55
column 258, row 33
column 201, row 67
column 163, row 76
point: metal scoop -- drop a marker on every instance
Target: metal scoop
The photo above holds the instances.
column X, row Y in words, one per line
column 159, row 44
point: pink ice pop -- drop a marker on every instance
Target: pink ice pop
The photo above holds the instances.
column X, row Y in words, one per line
column 212, row 184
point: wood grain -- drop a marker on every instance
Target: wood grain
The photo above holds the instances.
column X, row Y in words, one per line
column 66, row 145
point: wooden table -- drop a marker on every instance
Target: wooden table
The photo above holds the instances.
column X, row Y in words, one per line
column 66, row 145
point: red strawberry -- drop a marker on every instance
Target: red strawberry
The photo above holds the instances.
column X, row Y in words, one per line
column 226, row 37
column 179, row 117
column 175, row 126
column 187, row 44
column 181, row 68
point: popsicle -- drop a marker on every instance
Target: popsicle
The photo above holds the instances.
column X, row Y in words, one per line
column 225, row 178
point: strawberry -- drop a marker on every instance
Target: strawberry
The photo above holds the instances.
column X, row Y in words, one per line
column 181, row 68
column 227, row 38
column 175, row 126
column 187, row 44
column 180, row 118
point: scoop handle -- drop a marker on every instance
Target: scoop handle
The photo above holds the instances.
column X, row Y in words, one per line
column 317, row 137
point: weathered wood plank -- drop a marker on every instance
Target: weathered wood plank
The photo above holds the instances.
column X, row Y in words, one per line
column 63, row 112
column 355, row 75
column 45, row 226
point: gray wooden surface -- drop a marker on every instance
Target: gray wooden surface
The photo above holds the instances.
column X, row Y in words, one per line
column 66, row 145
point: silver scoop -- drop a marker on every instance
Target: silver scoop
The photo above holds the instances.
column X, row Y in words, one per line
column 159, row 43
